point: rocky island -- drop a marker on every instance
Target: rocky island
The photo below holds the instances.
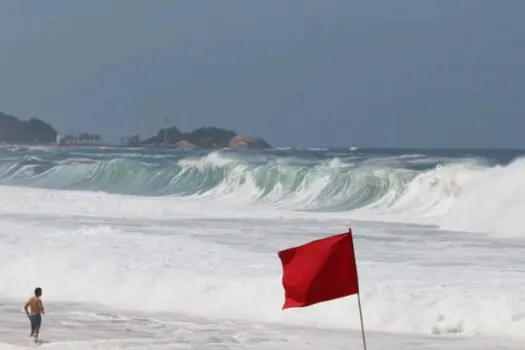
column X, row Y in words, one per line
column 36, row 131
column 204, row 137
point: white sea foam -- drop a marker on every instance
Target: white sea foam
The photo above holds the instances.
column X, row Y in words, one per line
column 439, row 250
column 492, row 203
column 204, row 260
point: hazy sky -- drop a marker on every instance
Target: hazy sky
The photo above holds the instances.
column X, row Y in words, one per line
column 295, row 72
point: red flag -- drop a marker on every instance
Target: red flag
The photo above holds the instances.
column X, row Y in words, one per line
column 319, row 271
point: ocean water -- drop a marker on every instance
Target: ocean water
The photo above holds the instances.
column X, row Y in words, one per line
column 170, row 249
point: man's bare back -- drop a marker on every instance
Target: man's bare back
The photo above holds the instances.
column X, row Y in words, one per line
column 35, row 305
column 37, row 310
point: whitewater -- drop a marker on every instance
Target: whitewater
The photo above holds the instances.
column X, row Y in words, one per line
column 150, row 248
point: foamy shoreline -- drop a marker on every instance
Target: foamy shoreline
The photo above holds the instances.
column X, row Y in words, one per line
column 80, row 326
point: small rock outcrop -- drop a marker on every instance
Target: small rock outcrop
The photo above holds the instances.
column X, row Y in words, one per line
column 248, row 142
column 186, row 144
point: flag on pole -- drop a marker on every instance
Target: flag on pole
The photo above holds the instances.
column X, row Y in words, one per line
column 320, row 270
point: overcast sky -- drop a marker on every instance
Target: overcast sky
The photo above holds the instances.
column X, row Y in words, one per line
column 295, row 72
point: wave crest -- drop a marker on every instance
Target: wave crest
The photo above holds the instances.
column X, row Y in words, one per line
column 333, row 184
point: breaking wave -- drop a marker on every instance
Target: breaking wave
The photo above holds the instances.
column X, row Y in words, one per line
column 321, row 181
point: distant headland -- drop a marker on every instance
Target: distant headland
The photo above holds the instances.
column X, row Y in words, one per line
column 13, row 130
column 36, row 131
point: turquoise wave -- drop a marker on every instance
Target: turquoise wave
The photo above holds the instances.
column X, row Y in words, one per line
column 317, row 180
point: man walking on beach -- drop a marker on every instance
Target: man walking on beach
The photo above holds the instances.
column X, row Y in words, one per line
column 37, row 310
